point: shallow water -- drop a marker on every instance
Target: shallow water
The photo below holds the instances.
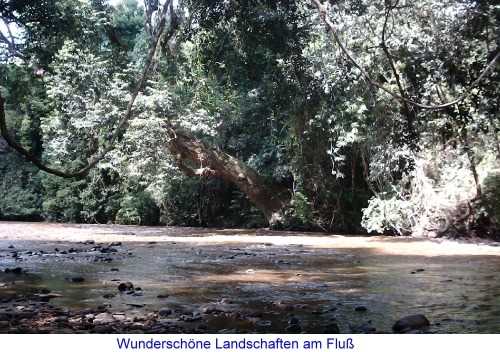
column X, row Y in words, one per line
column 266, row 275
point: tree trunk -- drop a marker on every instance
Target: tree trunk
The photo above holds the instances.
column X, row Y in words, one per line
column 195, row 158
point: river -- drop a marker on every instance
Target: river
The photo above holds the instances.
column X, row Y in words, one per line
column 226, row 280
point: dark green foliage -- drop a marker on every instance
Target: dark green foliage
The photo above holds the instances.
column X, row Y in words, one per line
column 138, row 209
column 491, row 201
column 20, row 189
column 271, row 90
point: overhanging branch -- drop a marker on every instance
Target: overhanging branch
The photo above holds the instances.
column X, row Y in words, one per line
column 117, row 133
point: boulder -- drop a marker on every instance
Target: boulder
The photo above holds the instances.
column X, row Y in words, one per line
column 411, row 322
column 126, row 286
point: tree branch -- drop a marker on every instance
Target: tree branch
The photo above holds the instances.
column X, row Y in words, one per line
column 377, row 84
column 119, row 130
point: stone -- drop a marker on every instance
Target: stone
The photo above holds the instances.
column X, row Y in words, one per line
column 16, row 271
column 211, row 309
column 119, row 317
column 365, row 328
column 332, row 328
column 263, row 324
column 125, row 286
column 103, row 318
column 61, row 319
column 360, row 309
column 190, row 318
column 417, row 271
column 77, row 279
column 45, row 297
column 294, row 329
column 164, row 312
column 293, row 325
column 411, row 322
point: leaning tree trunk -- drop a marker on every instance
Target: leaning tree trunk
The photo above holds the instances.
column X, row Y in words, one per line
column 195, row 158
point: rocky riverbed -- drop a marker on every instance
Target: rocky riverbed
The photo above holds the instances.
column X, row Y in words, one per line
column 112, row 279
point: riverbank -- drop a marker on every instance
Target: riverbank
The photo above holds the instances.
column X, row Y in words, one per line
column 41, row 231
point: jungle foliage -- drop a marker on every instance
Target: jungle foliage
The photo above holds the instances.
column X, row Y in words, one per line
column 332, row 107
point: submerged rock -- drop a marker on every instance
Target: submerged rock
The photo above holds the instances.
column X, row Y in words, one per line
column 365, row 328
column 16, row 271
column 293, row 325
column 294, row 329
column 263, row 325
column 332, row 328
column 45, row 297
column 411, row 322
column 164, row 312
column 77, row 279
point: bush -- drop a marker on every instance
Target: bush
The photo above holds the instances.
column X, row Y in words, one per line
column 433, row 198
column 491, row 196
column 138, row 209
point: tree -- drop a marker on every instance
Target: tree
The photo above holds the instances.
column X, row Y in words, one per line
column 307, row 123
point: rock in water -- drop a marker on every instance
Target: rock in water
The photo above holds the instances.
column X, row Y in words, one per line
column 103, row 318
column 331, row 328
column 411, row 322
column 293, row 326
column 126, row 286
column 16, row 271
column 164, row 312
column 77, row 279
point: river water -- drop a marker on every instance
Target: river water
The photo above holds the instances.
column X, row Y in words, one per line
column 265, row 276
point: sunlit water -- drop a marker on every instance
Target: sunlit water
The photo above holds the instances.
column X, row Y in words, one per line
column 267, row 275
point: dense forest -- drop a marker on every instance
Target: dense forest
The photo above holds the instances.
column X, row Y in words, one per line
column 340, row 116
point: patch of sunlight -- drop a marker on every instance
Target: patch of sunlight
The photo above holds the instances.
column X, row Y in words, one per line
column 379, row 245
